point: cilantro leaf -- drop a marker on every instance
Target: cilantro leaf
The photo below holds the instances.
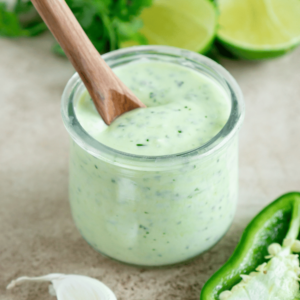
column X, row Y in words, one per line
column 108, row 23
column 22, row 20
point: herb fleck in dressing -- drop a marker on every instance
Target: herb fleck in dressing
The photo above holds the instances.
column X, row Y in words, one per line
column 165, row 214
column 185, row 109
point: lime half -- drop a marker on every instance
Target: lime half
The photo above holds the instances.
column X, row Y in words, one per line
column 188, row 24
column 259, row 29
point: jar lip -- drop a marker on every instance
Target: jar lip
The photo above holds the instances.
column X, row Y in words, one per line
column 97, row 149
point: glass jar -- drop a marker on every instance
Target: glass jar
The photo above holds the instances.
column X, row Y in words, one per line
column 154, row 211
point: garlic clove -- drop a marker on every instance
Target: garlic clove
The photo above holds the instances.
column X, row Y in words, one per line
column 75, row 287
column 72, row 287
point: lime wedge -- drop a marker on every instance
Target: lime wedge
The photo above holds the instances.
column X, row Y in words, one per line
column 259, row 29
column 188, row 24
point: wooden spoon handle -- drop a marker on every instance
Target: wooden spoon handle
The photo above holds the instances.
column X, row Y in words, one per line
column 111, row 97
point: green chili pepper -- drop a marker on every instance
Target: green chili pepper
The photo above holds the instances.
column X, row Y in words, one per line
column 277, row 221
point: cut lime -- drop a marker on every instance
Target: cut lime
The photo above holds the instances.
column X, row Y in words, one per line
column 188, row 24
column 259, row 29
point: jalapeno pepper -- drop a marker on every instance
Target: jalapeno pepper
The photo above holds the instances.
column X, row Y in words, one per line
column 273, row 224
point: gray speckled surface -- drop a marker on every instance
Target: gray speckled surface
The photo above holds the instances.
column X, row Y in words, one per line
column 37, row 233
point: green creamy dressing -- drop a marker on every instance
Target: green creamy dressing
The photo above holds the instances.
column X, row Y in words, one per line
column 185, row 109
column 163, row 214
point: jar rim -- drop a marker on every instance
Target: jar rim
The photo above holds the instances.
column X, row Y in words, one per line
column 108, row 154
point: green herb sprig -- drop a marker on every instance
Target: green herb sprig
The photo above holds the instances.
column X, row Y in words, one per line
column 108, row 23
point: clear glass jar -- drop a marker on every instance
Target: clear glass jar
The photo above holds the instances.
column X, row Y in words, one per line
column 193, row 195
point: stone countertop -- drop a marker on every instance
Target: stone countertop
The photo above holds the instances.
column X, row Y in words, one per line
column 37, row 233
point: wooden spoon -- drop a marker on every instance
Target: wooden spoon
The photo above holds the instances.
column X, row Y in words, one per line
column 111, row 96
